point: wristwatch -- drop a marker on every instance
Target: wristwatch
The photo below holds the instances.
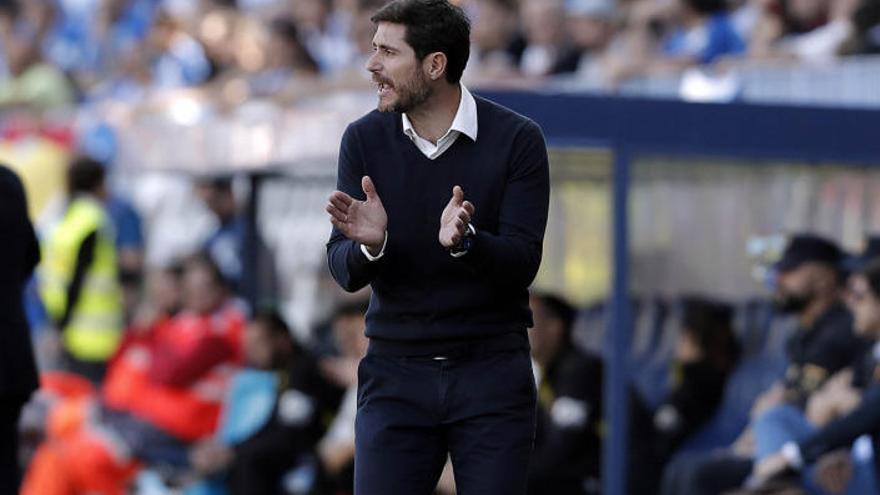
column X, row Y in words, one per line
column 465, row 243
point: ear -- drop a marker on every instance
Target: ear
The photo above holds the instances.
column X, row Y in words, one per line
column 434, row 65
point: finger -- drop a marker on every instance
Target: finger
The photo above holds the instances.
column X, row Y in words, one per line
column 369, row 188
column 464, row 216
column 341, row 197
column 457, row 195
column 340, row 204
column 342, row 226
column 469, row 207
column 336, row 213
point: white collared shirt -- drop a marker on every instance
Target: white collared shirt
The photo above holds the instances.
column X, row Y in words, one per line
column 465, row 122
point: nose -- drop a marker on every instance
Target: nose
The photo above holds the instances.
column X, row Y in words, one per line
column 372, row 64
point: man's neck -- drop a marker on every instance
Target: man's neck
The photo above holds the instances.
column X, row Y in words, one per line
column 815, row 310
column 432, row 119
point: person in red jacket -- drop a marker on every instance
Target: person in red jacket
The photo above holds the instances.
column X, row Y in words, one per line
column 163, row 391
column 173, row 376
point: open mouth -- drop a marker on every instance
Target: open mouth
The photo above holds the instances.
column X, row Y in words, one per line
column 383, row 88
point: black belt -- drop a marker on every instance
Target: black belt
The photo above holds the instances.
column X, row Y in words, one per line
column 451, row 349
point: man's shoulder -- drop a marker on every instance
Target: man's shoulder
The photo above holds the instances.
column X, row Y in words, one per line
column 497, row 115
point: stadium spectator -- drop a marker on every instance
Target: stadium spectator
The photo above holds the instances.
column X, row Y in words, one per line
column 91, row 38
column 809, row 285
column 287, row 60
column 225, row 245
column 567, row 444
column 18, row 374
column 807, row 30
column 163, row 391
column 326, row 33
column 287, row 438
column 693, row 32
column 179, row 60
column 336, row 449
column 705, row 354
column 838, row 395
column 543, row 24
column 163, row 298
column 172, row 376
column 79, row 275
column 860, row 412
column 498, row 44
column 593, row 28
column 29, row 79
column 219, row 32
column 866, row 33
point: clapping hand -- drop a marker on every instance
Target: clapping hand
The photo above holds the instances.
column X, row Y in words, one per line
column 455, row 219
column 361, row 221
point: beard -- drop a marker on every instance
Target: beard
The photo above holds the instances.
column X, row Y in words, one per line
column 410, row 94
column 792, row 303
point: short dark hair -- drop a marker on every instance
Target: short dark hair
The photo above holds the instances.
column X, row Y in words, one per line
column 710, row 324
column 286, row 29
column 558, row 308
column 84, row 175
column 273, row 322
column 432, row 26
column 204, row 260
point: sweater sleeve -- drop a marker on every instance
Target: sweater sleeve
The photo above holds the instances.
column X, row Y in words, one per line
column 349, row 266
column 842, row 432
column 511, row 256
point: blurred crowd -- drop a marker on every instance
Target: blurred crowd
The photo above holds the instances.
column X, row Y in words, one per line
column 62, row 52
column 162, row 379
column 158, row 380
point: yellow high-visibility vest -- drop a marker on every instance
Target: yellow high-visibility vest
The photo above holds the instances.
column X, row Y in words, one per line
column 94, row 329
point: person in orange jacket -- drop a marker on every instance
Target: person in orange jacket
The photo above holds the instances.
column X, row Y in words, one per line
column 163, row 391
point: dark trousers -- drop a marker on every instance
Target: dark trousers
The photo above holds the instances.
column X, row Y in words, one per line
column 479, row 407
column 149, row 443
column 10, row 471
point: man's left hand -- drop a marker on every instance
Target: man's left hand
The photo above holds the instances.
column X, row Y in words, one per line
column 455, row 219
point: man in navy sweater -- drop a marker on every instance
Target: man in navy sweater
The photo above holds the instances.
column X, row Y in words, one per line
column 441, row 207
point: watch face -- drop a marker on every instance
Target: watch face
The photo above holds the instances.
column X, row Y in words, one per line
column 467, row 240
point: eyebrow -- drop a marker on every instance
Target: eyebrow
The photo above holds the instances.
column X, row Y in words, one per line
column 383, row 46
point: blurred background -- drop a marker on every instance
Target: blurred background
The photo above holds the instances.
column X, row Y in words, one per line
column 208, row 132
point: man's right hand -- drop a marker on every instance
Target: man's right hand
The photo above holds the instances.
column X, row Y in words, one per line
column 361, row 221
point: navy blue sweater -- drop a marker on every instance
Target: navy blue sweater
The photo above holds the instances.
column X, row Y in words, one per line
column 420, row 292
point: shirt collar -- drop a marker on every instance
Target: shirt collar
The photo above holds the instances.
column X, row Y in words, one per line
column 465, row 120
